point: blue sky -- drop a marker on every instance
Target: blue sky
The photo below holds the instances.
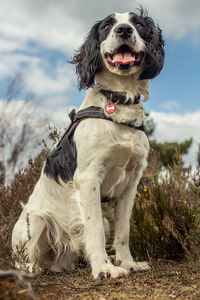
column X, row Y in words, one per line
column 38, row 38
column 177, row 87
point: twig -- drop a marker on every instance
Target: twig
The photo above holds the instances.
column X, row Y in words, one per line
column 19, row 277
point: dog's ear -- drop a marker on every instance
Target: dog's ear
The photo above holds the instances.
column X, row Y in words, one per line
column 87, row 59
column 155, row 54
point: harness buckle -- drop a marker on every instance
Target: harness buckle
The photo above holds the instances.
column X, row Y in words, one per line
column 72, row 114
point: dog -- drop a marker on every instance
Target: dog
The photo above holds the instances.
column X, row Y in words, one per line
column 102, row 161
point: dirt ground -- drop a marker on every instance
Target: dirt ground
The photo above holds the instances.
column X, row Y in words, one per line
column 166, row 280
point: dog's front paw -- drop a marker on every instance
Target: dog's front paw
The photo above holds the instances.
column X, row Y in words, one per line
column 133, row 266
column 108, row 270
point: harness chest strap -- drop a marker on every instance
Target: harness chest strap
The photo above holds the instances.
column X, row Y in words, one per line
column 93, row 112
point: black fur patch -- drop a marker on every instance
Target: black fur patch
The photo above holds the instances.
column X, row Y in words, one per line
column 62, row 162
column 152, row 35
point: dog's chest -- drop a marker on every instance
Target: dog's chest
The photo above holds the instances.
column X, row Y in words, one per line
column 121, row 167
column 110, row 152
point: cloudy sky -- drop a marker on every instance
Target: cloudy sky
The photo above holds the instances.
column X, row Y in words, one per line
column 38, row 38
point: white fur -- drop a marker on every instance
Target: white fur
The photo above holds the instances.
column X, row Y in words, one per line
column 62, row 222
column 111, row 42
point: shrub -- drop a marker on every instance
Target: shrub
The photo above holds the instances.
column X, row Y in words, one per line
column 166, row 217
column 10, row 198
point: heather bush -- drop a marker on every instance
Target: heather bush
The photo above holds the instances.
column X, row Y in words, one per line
column 12, row 196
column 166, row 217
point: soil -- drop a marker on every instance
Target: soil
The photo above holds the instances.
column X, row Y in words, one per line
column 166, row 280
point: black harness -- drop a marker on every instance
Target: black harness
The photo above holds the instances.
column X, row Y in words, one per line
column 62, row 162
column 92, row 112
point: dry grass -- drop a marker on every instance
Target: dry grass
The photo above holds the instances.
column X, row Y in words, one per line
column 166, row 280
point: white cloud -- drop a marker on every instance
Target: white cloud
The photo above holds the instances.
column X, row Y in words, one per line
column 9, row 45
column 170, row 105
column 57, row 109
column 22, row 126
column 45, row 22
column 10, row 64
column 63, row 24
column 39, row 82
column 36, row 76
column 176, row 127
column 177, row 18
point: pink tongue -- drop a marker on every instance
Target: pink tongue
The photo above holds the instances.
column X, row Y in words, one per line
column 123, row 58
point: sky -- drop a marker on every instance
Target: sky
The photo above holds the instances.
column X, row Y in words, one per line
column 38, row 39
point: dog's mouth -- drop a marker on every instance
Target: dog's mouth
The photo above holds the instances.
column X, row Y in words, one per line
column 124, row 58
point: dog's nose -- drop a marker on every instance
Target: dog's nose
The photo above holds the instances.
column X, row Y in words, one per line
column 124, row 31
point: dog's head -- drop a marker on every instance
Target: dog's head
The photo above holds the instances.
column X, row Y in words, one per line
column 125, row 44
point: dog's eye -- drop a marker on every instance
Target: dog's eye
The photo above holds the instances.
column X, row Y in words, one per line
column 106, row 26
column 138, row 25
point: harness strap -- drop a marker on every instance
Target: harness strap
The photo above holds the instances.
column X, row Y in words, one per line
column 98, row 113
column 94, row 112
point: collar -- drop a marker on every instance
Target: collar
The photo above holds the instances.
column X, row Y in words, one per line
column 118, row 98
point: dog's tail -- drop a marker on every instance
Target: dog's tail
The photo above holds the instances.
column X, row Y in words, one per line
column 49, row 233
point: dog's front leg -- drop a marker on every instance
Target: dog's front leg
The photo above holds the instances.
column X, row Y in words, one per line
column 123, row 210
column 94, row 236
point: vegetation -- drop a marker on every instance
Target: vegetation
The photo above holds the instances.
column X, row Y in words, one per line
column 11, row 197
column 166, row 216
column 166, row 150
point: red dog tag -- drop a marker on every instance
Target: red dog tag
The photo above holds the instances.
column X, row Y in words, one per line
column 110, row 108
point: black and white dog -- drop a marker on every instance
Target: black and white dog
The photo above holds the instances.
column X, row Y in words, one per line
column 63, row 217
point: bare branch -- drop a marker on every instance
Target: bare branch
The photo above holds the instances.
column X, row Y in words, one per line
column 19, row 277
